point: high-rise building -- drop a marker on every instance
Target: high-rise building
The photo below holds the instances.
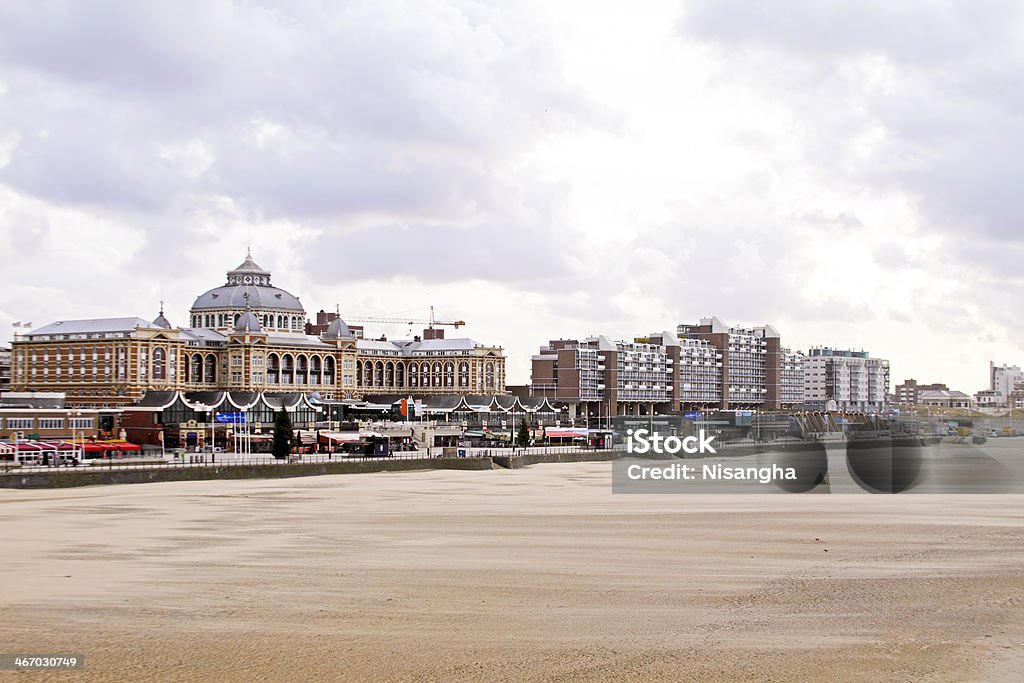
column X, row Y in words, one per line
column 841, row 379
column 751, row 362
column 597, row 377
column 791, row 378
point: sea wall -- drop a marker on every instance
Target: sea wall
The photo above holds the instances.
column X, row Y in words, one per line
column 95, row 477
column 516, row 461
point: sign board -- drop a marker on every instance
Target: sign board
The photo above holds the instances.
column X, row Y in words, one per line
column 692, row 416
column 230, row 418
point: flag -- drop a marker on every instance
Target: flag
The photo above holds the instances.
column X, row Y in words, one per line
column 17, row 324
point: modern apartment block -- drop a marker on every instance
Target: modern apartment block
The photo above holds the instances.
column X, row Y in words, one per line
column 597, row 377
column 1003, row 379
column 751, row 363
column 791, row 378
column 708, row 365
column 840, row 379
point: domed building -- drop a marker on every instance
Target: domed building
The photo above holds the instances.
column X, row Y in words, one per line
column 248, row 287
column 247, row 338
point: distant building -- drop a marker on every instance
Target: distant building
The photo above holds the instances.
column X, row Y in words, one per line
column 599, row 378
column 1003, row 379
column 841, row 379
column 24, row 423
column 988, row 398
column 5, row 369
column 943, row 398
column 707, row 365
column 751, row 362
column 908, row 393
column 791, row 378
column 246, row 336
column 324, row 320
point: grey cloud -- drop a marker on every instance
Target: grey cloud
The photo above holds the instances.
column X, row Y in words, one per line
column 409, row 110
column 951, row 122
column 933, row 33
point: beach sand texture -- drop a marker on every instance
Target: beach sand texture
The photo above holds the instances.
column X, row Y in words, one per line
column 533, row 574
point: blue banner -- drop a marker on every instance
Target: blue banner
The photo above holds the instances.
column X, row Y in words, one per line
column 230, row 418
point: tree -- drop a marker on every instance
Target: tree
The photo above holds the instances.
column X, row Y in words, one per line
column 523, row 437
column 283, row 434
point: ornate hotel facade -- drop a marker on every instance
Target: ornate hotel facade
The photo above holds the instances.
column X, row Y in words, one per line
column 245, row 336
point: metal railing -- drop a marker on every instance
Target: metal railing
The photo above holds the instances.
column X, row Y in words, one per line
column 193, row 461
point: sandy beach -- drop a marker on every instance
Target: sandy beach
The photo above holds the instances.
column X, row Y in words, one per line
column 533, row 574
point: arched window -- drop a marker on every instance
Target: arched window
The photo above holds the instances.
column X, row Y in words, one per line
column 399, row 374
column 449, row 374
column 235, row 320
column 314, row 370
column 425, row 374
column 489, row 375
column 301, row 369
column 367, row 374
column 287, row 368
column 195, row 368
column 329, row 370
column 159, row 363
column 414, row 374
column 210, row 369
column 273, row 368
column 280, row 322
column 378, row 374
column 389, row 374
column 463, row 374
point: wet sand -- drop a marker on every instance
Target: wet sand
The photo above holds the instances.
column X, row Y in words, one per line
column 533, row 574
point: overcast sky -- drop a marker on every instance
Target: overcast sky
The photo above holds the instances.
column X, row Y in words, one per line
column 848, row 172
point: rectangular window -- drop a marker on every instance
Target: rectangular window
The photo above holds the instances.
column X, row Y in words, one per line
column 19, row 423
column 82, row 422
column 51, row 423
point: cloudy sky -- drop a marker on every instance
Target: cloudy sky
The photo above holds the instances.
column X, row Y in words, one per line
column 848, row 172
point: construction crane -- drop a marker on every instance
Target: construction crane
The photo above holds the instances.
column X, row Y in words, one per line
column 405, row 321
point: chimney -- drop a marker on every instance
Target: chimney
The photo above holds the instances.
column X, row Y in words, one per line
column 431, row 333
